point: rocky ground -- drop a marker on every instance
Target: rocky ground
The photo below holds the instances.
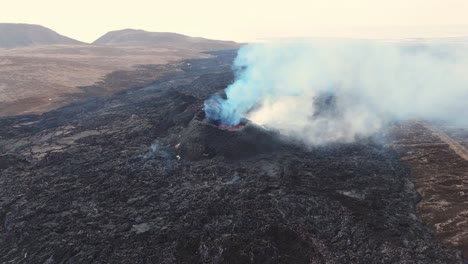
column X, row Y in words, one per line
column 139, row 177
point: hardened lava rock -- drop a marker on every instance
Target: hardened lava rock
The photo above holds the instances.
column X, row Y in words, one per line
column 100, row 182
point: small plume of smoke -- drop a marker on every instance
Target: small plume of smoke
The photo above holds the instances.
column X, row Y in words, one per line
column 156, row 150
column 159, row 158
column 279, row 85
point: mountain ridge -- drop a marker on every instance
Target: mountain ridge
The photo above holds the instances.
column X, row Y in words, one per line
column 16, row 35
column 139, row 37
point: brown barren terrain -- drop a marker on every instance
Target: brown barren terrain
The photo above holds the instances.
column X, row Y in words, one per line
column 439, row 164
column 40, row 78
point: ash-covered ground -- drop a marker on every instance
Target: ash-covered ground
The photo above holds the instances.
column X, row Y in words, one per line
column 139, row 177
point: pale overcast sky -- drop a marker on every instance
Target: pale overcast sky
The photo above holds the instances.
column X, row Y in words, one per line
column 246, row 20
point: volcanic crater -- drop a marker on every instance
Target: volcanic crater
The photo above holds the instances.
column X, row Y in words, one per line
column 206, row 139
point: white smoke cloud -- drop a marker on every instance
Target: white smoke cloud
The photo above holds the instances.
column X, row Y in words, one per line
column 373, row 82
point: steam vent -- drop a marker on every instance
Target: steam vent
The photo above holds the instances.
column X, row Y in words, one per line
column 204, row 139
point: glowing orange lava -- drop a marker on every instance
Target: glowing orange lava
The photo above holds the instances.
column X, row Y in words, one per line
column 231, row 128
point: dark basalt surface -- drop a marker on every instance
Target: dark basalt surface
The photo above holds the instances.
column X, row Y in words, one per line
column 124, row 179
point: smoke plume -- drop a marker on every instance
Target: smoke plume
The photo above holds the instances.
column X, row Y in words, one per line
column 336, row 91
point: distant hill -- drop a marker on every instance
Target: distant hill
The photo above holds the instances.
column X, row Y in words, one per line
column 134, row 37
column 22, row 35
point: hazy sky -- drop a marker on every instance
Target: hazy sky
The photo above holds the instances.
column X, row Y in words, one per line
column 246, row 20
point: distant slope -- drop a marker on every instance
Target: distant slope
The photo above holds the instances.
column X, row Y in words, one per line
column 22, row 35
column 134, row 37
